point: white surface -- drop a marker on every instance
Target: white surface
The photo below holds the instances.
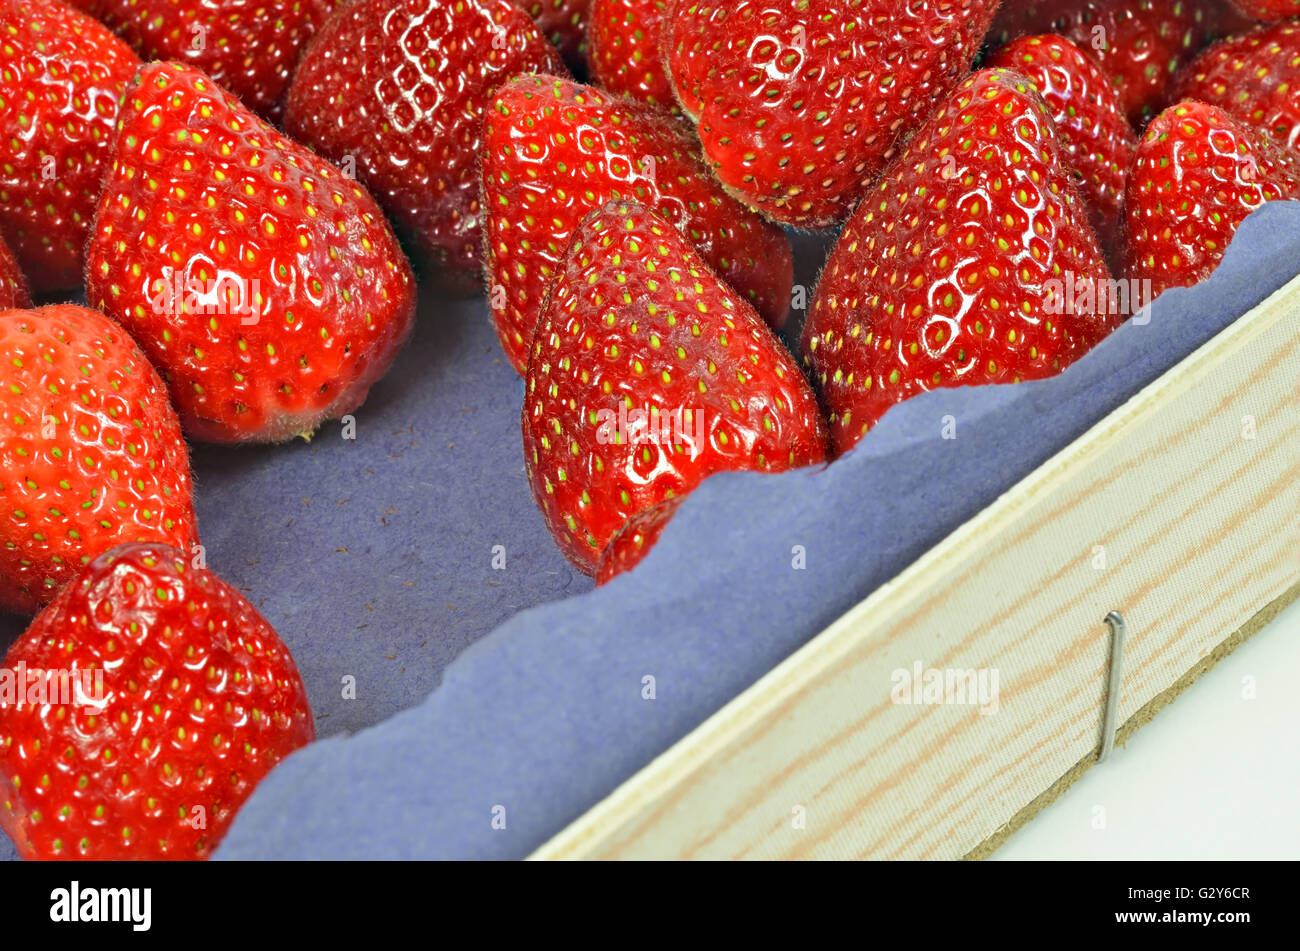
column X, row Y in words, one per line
column 1214, row 775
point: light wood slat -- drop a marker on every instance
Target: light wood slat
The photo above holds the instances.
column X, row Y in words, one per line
column 1201, row 528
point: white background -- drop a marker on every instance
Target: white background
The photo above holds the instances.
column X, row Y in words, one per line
column 1214, row 775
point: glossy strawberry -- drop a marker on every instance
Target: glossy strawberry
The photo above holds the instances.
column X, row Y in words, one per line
column 557, row 150
column 957, row 266
column 1255, row 77
column 13, row 286
column 91, row 448
column 623, row 48
column 187, row 699
column 1227, row 19
column 564, row 22
column 263, row 283
column 634, row 540
column 61, row 75
column 1098, row 140
column 1268, row 10
column 647, row 375
column 250, row 47
column 399, row 90
column 1199, row 172
column 799, row 102
column 1140, row 44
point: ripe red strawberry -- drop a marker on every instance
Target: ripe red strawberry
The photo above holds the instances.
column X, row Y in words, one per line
column 1098, row 140
column 800, row 102
column 250, row 47
column 557, row 150
column 565, row 24
column 634, row 540
column 624, row 40
column 92, row 451
column 647, row 375
column 1199, row 172
column 1268, row 10
column 13, row 286
column 954, row 270
column 61, row 76
column 1255, row 77
column 414, row 129
column 265, row 285
column 1226, row 19
column 197, row 700
column 1139, row 44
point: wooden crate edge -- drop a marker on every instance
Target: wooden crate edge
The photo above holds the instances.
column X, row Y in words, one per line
column 676, row 764
column 1139, row 719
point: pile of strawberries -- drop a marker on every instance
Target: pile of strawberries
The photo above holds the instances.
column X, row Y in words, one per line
column 248, row 195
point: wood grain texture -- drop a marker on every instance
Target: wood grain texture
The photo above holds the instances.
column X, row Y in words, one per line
column 1138, row 720
column 1192, row 489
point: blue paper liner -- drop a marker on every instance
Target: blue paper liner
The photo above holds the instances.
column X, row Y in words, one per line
column 373, row 559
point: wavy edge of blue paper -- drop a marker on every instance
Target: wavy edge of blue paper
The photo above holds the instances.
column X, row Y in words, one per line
column 542, row 718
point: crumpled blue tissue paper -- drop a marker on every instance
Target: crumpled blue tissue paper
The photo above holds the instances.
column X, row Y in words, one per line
column 491, row 679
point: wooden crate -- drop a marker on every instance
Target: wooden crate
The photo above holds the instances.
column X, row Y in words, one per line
column 1181, row 510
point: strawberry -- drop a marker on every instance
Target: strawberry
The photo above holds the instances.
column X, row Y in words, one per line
column 647, row 375
column 1098, row 140
column 799, row 102
column 187, row 699
column 265, row 285
column 634, row 540
column 1139, row 44
column 61, row 77
column 623, row 49
column 1199, row 172
column 557, row 150
column 565, row 24
column 1255, row 77
column 954, row 269
column 413, row 125
column 249, row 47
column 1268, row 10
column 13, row 286
column 92, row 450
column 1226, row 19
